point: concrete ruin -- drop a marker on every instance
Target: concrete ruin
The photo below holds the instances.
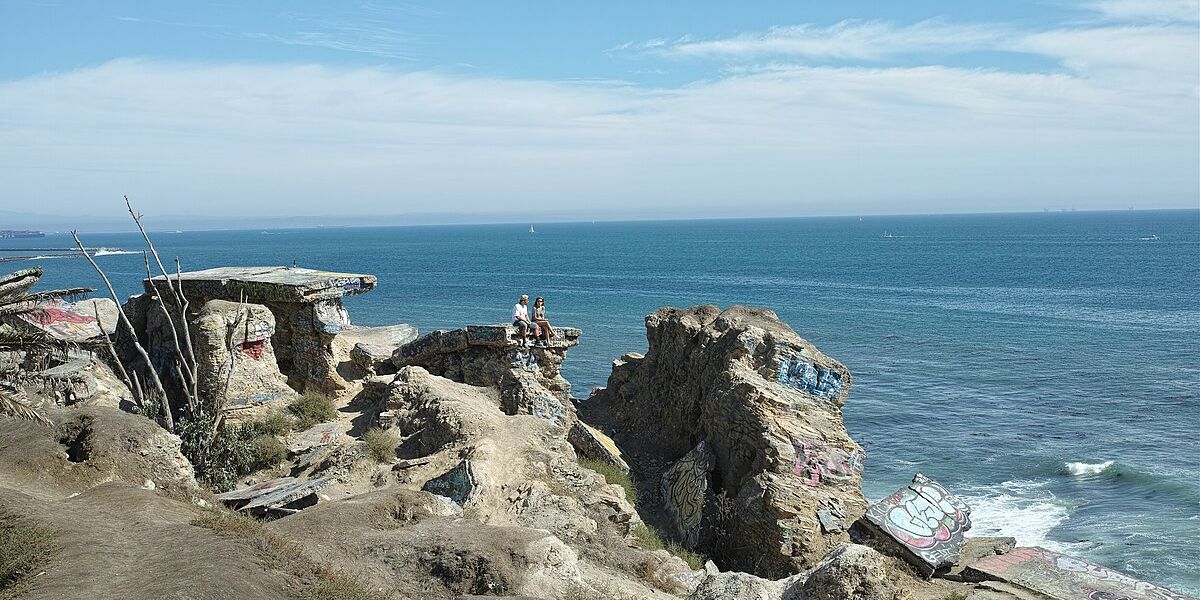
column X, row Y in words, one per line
column 922, row 523
column 1061, row 577
column 306, row 305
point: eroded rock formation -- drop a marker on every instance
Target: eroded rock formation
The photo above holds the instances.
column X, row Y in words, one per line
column 735, row 420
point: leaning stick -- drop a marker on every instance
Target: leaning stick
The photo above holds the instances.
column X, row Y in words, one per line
column 168, row 420
column 187, row 371
column 112, row 351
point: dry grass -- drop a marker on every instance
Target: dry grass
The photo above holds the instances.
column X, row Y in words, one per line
column 266, row 451
column 25, row 547
column 381, row 443
column 612, row 474
column 312, row 408
column 318, row 581
column 648, row 538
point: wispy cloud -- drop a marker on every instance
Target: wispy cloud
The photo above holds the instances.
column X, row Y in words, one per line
column 375, row 36
column 1153, row 10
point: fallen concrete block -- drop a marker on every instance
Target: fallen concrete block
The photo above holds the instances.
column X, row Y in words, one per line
column 922, row 523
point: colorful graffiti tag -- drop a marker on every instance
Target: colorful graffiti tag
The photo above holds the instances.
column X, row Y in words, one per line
column 56, row 319
column 458, row 484
column 927, row 522
column 1060, row 576
column 820, row 463
column 804, row 376
column 685, row 490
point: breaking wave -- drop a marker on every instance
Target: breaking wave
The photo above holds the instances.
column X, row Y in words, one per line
column 1024, row 510
column 1083, row 468
column 111, row 252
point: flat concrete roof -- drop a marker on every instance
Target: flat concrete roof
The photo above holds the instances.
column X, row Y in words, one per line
column 270, row 284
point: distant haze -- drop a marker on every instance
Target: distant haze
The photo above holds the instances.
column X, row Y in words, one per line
column 257, row 115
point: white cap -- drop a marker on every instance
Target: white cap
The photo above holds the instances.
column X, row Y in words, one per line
column 524, row 296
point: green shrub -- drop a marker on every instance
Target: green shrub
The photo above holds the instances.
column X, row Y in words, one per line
column 312, row 408
column 24, row 548
column 613, row 474
column 265, row 451
column 381, row 443
column 276, row 424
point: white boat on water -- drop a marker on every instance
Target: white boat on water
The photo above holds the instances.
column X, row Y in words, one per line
column 531, row 229
column 1150, row 238
column 888, row 234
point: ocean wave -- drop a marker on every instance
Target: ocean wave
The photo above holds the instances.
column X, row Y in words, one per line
column 1083, row 468
column 1024, row 510
column 111, row 252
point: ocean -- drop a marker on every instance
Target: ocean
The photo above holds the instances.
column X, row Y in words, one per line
column 1044, row 366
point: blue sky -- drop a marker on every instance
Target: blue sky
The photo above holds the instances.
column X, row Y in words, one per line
column 601, row 109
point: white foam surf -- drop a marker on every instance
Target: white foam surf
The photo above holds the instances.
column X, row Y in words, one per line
column 1083, row 468
column 1024, row 510
column 111, row 252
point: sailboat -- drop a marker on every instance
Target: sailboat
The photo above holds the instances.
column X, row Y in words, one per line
column 531, row 229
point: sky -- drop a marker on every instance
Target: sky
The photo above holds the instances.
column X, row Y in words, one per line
column 597, row 110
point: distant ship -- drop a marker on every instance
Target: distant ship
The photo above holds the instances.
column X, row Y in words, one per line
column 1152, row 237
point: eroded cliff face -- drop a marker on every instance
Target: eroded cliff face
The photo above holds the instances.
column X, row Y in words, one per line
column 732, row 425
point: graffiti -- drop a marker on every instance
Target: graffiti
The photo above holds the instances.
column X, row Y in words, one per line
column 346, row 284
column 255, row 349
column 925, row 519
column 818, row 462
column 1061, row 576
column 330, row 317
column 547, row 407
column 821, row 382
column 685, row 490
column 56, row 319
column 458, row 484
column 525, row 359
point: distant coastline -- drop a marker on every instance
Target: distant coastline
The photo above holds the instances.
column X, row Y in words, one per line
column 20, row 233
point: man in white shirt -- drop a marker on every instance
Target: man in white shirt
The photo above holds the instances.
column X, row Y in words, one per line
column 521, row 319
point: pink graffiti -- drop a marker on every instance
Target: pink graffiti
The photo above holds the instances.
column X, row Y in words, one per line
column 818, row 462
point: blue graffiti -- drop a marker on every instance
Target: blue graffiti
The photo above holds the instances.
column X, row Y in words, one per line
column 818, row 381
column 549, row 408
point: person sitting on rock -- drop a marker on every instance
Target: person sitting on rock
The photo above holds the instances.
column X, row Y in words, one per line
column 539, row 319
column 521, row 319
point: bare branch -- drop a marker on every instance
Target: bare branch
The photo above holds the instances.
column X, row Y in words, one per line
column 187, row 371
column 168, row 419
column 112, row 351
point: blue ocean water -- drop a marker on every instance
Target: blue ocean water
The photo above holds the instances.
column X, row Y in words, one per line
column 1044, row 366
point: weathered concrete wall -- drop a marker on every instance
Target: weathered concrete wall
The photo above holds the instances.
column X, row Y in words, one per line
column 246, row 328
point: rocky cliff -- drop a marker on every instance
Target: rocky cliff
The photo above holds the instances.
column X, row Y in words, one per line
column 732, row 422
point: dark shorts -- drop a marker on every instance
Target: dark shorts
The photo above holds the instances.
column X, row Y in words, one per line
column 523, row 326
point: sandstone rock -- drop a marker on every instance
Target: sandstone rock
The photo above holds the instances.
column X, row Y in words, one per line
column 767, row 404
column 851, row 572
column 735, row 585
column 504, row 469
column 486, row 355
column 686, row 490
column 592, row 443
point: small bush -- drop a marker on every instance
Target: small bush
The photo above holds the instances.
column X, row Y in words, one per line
column 266, row 451
column 24, row 548
column 648, row 538
column 312, row 408
column 275, row 424
column 613, row 474
column 381, row 443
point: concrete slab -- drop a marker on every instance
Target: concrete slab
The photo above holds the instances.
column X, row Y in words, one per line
column 1065, row 577
column 270, row 284
column 923, row 523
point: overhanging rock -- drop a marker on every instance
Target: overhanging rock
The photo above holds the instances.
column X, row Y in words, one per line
column 1063, row 577
column 922, row 522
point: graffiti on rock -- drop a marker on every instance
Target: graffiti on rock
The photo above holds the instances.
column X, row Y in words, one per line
column 820, row 463
column 925, row 519
column 1062, row 576
column 685, row 491
column 254, row 349
column 802, row 375
column 525, row 359
column 547, row 407
column 458, row 484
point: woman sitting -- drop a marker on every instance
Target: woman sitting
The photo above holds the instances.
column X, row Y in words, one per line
column 545, row 332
